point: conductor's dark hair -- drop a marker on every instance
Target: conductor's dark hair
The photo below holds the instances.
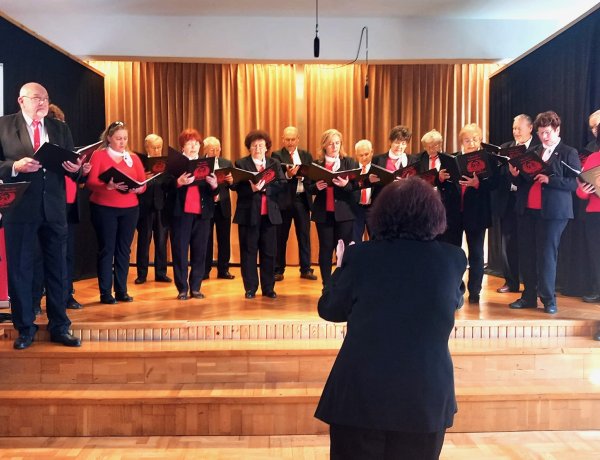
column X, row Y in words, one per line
column 400, row 133
column 257, row 135
column 545, row 119
column 409, row 209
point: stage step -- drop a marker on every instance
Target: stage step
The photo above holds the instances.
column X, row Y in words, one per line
column 571, row 445
column 265, row 361
column 268, row 409
column 285, row 329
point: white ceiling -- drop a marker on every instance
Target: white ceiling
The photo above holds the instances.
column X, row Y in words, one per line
column 282, row 30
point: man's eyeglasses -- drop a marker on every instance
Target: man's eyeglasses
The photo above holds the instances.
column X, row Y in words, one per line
column 38, row 99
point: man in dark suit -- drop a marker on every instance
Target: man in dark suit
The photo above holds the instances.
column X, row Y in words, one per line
column 503, row 204
column 257, row 215
column 41, row 213
column 152, row 221
column 221, row 220
column 544, row 205
column 295, row 204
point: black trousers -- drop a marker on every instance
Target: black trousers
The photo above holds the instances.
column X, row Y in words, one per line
column 189, row 232
column 151, row 224
column 475, row 243
column 591, row 227
column 258, row 240
column 538, row 252
column 329, row 233
column 510, row 245
column 300, row 214
column 115, row 228
column 221, row 225
column 353, row 443
column 21, row 242
column 360, row 222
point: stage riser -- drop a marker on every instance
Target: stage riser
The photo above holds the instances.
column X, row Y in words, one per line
column 276, row 418
column 118, row 332
column 272, row 369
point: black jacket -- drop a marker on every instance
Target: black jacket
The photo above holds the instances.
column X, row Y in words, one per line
column 288, row 195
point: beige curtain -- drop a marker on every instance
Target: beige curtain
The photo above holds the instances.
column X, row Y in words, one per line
column 229, row 100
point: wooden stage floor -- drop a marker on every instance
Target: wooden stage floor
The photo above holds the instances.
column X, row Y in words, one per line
column 297, row 300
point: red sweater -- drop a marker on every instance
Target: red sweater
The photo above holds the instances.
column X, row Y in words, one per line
column 102, row 161
column 593, row 200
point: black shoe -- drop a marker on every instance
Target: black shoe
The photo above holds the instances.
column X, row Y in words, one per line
column 270, row 294
column 506, row 288
column 550, row 309
column 182, row 296
column 197, row 295
column 474, row 298
column 521, row 303
column 66, row 339
column 37, row 310
column 595, row 298
column 308, row 276
column 140, row 280
column 124, row 297
column 22, row 342
column 250, row 295
column 226, row 276
column 278, row 276
column 108, row 299
column 72, row 304
column 163, row 279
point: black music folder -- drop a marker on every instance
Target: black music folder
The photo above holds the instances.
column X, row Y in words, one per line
column 474, row 163
column 154, row 165
column 119, row 176
column 85, row 152
column 51, row 157
column 530, row 164
column 178, row 164
column 316, row 173
column 503, row 155
column 591, row 176
column 10, row 194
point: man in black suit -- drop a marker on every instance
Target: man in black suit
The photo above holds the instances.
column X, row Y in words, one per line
column 41, row 213
column 152, row 221
column 221, row 220
column 504, row 198
column 295, row 204
column 544, row 205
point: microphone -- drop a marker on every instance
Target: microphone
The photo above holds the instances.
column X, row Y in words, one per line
column 367, row 90
column 316, row 45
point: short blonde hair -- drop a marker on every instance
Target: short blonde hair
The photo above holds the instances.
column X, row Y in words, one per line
column 363, row 144
column 212, row 141
column 432, row 136
column 326, row 139
column 471, row 128
column 152, row 139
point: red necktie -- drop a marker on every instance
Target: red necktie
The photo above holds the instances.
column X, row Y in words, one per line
column 432, row 162
column 36, row 134
column 363, row 192
column 264, row 210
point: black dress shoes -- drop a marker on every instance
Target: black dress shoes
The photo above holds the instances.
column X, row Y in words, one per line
column 225, row 276
column 197, row 295
column 182, row 296
column 250, row 295
column 163, row 279
column 66, row 339
column 278, row 276
column 506, row 288
column 521, row 303
column 123, row 297
column 270, row 294
column 550, row 309
column 308, row 276
column 108, row 299
column 72, row 304
column 140, row 280
column 595, row 298
column 22, row 342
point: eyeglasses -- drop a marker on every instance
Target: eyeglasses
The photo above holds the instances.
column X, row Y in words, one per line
column 114, row 124
column 38, row 99
column 258, row 147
